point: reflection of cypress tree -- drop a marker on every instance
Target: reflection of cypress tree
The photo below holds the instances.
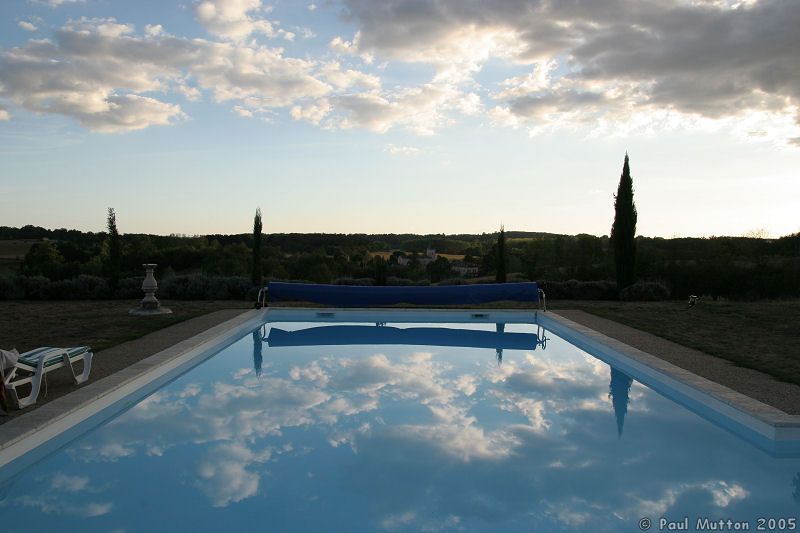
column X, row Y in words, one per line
column 500, row 328
column 619, row 391
column 257, row 358
column 796, row 485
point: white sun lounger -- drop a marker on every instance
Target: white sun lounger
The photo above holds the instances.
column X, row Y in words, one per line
column 32, row 366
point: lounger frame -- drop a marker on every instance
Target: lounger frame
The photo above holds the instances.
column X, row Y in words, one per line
column 48, row 360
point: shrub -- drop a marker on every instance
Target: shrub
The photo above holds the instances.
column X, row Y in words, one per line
column 10, row 289
column 35, row 287
column 190, row 287
column 354, row 281
column 129, row 288
column 644, row 291
column 229, row 288
column 580, row 290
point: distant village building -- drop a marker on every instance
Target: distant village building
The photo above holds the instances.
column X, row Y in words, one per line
column 465, row 269
column 429, row 257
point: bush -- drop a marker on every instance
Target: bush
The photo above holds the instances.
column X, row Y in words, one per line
column 129, row 288
column 354, row 281
column 580, row 290
column 199, row 287
column 644, row 291
column 35, row 287
column 405, row 282
column 10, row 289
column 80, row 288
column 191, row 287
column 229, row 288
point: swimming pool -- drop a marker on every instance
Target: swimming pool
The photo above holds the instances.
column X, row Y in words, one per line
column 406, row 421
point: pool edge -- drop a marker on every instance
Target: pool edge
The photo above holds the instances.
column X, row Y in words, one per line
column 761, row 417
column 34, row 429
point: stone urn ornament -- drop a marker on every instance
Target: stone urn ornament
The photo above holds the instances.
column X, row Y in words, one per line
column 150, row 304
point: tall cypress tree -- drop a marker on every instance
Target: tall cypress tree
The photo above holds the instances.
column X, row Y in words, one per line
column 256, row 271
column 623, row 231
column 114, row 249
column 501, row 256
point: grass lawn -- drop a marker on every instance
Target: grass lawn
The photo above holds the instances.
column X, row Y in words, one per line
column 25, row 325
column 763, row 335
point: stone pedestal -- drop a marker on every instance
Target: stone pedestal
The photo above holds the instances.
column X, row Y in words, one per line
column 150, row 304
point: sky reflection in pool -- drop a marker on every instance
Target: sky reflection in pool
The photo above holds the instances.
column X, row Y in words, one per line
column 508, row 436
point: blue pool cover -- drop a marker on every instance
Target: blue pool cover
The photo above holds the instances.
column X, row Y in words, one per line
column 354, row 296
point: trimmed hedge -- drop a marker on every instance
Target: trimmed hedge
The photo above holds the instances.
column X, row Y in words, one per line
column 84, row 287
column 580, row 290
column 644, row 291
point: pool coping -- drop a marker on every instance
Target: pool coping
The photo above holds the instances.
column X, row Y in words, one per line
column 761, row 417
column 33, row 430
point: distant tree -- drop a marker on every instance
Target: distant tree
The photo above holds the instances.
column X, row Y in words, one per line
column 439, row 269
column 114, row 243
column 501, row 256
column 623, row 231
column 256, row 275
column 379, row 265
column 42, row 259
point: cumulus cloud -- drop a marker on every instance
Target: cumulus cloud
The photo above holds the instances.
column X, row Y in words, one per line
column 224, row 475
column 600, row 60
column 27, row 26
column 95, row 70
column 233, row 19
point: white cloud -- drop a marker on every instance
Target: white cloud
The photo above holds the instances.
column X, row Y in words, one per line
column 153, row 30
column 97, row 509
column 235, row 19
column 224, row 476
column 96, row 69
column 4, row 114
column 393, row 149
column 27, row 26
column 56, row 3
column 69, row 483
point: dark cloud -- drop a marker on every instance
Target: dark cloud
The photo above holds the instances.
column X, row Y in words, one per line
column 714, row 59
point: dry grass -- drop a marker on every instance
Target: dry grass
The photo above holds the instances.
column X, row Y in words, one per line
column 762, row 335
column 25, row 325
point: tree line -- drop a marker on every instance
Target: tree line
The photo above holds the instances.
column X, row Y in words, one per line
column 109, row 264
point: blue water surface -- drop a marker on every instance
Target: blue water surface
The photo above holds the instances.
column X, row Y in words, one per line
column 307, row 434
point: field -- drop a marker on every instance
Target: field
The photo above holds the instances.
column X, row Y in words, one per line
column 13, row 251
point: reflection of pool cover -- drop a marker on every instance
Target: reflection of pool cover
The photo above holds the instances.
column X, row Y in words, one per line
column 359, row 335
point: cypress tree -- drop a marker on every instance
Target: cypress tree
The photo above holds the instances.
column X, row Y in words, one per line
column 623, row 231
column 256, row 271
column 114, row 249
column 501, row 256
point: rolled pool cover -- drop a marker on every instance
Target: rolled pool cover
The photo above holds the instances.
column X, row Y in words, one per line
column 348, row 335
column 367, row 296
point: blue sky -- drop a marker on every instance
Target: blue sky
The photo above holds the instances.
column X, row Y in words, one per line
column 400, row 116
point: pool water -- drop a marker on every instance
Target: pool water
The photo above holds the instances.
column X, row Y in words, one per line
column 292, row 428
